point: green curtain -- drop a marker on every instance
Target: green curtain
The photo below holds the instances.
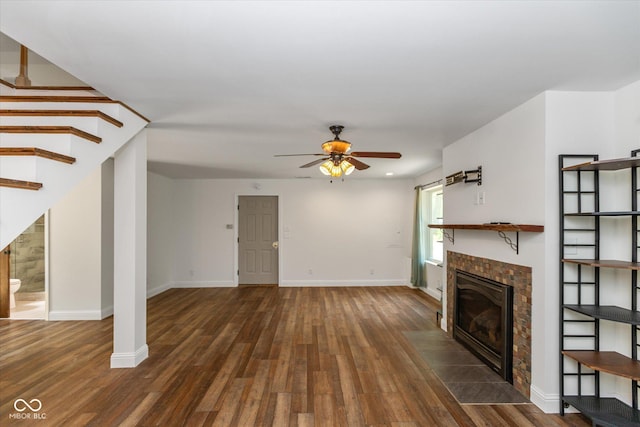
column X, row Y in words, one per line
column 418, row 277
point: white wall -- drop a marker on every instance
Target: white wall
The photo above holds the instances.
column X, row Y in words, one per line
column 160, row 233
column 74, row 253
column 627, row 119
column 577, row 123
column 355, row 232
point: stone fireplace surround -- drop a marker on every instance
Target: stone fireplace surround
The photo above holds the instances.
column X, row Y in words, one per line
column 517, row 276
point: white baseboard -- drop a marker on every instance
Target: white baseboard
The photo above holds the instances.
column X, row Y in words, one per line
column 433, row 293
column 106, row 312
column 549, row 403
column 129, row 360
column 335, row 283
column 204, row 284
column 158, row 290
column 60, row 315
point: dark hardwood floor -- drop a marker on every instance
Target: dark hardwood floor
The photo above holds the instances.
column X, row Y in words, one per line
column 247, row 356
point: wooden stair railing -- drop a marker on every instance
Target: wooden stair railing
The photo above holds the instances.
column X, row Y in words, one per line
column 51, row 129
column 62, row 113
column 16, row 183
column 38, row 152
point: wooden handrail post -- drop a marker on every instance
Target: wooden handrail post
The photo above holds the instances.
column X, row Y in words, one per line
column 23, row 78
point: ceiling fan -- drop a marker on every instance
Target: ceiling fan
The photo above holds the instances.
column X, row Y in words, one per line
column 337, row 159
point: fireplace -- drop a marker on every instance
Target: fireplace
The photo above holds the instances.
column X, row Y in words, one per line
column 483, row 320
column 519, row 278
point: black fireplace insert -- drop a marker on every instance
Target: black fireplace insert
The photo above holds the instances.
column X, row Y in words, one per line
column 483, row 320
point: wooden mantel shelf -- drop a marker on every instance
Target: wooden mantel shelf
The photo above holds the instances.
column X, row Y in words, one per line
column 492, row 227
column 501, row 228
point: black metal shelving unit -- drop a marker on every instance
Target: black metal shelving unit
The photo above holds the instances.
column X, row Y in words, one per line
column 581, row 358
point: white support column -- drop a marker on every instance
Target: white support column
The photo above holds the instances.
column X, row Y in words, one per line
column 130, row 254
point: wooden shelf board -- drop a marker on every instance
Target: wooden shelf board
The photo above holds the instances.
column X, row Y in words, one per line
column 607, row 312
column 607, row 361
column 606, row 165
column 606, row 263
column 492, row 227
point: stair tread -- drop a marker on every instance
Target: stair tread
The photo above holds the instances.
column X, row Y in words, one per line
column 16, row 183
column 63, row 113
column 35, row 151
column 51, row 129
column 62, row 88
column 55, row 98
column 68, row 98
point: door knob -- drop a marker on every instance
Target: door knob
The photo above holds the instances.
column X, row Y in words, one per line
column 275, row 245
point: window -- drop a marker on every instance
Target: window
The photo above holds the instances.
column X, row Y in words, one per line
column 432, row 211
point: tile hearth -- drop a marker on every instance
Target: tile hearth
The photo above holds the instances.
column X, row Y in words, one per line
column 468, row 379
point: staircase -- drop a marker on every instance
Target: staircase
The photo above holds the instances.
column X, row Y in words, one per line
column 50, row 139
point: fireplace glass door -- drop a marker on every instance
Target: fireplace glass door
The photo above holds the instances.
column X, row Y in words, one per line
column 483, row 320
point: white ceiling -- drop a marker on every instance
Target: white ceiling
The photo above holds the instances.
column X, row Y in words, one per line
column 229, row 84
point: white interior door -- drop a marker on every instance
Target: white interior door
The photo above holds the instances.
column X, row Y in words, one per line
column 258, row 240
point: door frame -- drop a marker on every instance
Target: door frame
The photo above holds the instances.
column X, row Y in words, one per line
column 236, row 221
column 6, row 275
column 47, row 270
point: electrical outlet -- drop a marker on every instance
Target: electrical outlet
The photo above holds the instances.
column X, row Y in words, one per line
column 372, row 272
column 310, row 272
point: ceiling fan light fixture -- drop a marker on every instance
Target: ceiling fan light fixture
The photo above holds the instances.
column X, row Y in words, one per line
column 347, row 167
column 326, row 167
column 329, row 168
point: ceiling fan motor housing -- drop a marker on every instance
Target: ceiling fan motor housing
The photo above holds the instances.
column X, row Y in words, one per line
column 336, row 146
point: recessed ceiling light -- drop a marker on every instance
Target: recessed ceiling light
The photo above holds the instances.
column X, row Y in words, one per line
column 389, row 173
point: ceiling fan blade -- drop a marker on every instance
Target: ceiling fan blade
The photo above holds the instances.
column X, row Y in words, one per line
column 290, row 155
column 379, row 154
column 357, row 163
column 315, row 162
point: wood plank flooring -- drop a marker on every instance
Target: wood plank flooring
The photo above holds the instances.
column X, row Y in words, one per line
column 247, row 356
